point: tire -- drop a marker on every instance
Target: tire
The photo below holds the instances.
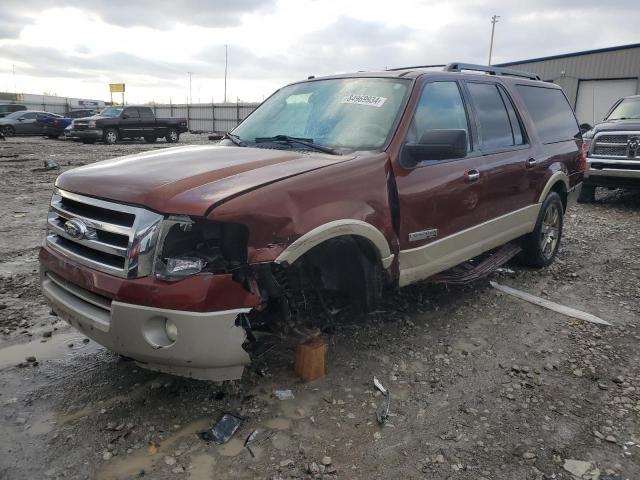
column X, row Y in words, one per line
column 173, row 136
column 150, row 139
column 587, row 194
column 8, row 131
column 110, row 136
column 539, row 248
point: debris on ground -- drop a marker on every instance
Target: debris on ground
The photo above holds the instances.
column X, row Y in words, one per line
column 284, row 394
column 223, row 430
column 556, row 307
column 255, row 438
column 48, row 165
column 383, row 415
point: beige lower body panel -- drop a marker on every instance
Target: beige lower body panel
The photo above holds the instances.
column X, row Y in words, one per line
column 422, row 262
column 208, row 344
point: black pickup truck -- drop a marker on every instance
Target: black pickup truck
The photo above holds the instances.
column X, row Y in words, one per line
column 116, row 123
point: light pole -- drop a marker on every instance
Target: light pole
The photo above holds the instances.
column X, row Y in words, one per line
column 494, row 20
column 189, row 86
column 225, row 73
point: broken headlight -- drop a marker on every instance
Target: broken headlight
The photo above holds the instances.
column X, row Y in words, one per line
column 188, row 246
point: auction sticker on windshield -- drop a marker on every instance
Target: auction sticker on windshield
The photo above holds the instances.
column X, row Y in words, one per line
column 370, row 100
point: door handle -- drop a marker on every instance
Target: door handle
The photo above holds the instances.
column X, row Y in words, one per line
column 471, row 176
column 532, row 162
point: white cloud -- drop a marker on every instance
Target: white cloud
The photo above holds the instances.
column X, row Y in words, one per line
column 77, row 47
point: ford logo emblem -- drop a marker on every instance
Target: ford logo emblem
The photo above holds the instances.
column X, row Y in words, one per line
column 75, row 228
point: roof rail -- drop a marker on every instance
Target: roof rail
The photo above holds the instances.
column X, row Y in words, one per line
column 414, row 67
column 458, row 67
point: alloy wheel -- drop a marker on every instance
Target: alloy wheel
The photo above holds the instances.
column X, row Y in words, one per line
column 550, row 232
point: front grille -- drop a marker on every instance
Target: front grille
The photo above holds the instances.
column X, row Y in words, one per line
column 110, row 237
column 615, row 145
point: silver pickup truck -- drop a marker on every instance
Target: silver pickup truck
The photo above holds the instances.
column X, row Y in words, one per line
column 613, row 150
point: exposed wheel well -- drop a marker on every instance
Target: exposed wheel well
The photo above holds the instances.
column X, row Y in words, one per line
column 348, row 267
column 561, row 189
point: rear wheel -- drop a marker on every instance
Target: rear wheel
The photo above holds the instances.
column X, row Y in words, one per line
column 172, row 135
column 539, row 248
column 587, row 194
column 110, row 136
column 8, row 131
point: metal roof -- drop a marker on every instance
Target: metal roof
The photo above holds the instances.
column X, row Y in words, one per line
column 567, row 55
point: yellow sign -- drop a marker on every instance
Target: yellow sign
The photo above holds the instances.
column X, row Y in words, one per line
column 116, row 87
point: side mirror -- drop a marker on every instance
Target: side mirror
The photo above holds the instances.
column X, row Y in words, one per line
column 443, row 144
column 585, row 127
column 21, row 119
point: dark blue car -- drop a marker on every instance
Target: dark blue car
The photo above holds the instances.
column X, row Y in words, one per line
column 53, row 126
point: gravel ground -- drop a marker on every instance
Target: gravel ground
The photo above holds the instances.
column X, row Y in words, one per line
column 483, row 385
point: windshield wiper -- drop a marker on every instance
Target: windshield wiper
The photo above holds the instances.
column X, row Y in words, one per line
column 625, row 118
column 307, row 142
column 235, row 139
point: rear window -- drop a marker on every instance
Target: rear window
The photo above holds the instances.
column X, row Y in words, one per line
column 550, row 112
column 498, row 123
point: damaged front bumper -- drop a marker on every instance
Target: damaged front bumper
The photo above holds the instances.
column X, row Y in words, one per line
column 206, row 345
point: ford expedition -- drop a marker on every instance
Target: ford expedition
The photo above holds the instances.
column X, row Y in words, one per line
column 335, row 186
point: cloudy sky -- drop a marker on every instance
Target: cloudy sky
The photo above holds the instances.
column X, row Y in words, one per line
column 77, row 47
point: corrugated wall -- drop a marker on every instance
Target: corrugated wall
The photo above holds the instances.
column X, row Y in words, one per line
column 211, row 117
column 613, row 64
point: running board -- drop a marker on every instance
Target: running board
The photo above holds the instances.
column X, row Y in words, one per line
column 470, row 271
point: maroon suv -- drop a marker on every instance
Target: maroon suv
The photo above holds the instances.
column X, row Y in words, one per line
column 334, row 186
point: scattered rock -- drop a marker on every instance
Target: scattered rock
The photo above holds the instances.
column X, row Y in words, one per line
column 577, row 467
column 326, row 460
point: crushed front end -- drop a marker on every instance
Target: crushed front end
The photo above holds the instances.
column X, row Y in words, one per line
column 170, row 292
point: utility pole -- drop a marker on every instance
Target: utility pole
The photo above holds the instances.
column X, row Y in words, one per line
column 13, row 66
column 189, row 86
column 494, row 20
column 225, row 73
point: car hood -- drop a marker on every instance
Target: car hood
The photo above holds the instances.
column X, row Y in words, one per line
column 617, row 125
column 190, row 180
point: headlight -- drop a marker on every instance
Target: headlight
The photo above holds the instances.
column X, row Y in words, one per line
column 92, row 124
column 188, row 246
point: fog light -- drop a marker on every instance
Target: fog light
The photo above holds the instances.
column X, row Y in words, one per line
column 171, row 329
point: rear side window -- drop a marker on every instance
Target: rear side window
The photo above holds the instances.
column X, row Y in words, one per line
column 145, row 112
column 497, row 121
column 131, row 112
column 550, row 112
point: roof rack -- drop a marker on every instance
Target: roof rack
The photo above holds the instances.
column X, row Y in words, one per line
column 414, row 67
column 458, row 67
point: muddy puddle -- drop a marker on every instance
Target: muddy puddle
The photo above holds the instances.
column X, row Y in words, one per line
column 58, row 347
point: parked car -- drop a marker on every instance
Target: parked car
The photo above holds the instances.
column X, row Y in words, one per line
column 333, row 188
column 7, row 108
column 117, row 123
column 54, row 126
column 613, row 158
column 24, row 123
